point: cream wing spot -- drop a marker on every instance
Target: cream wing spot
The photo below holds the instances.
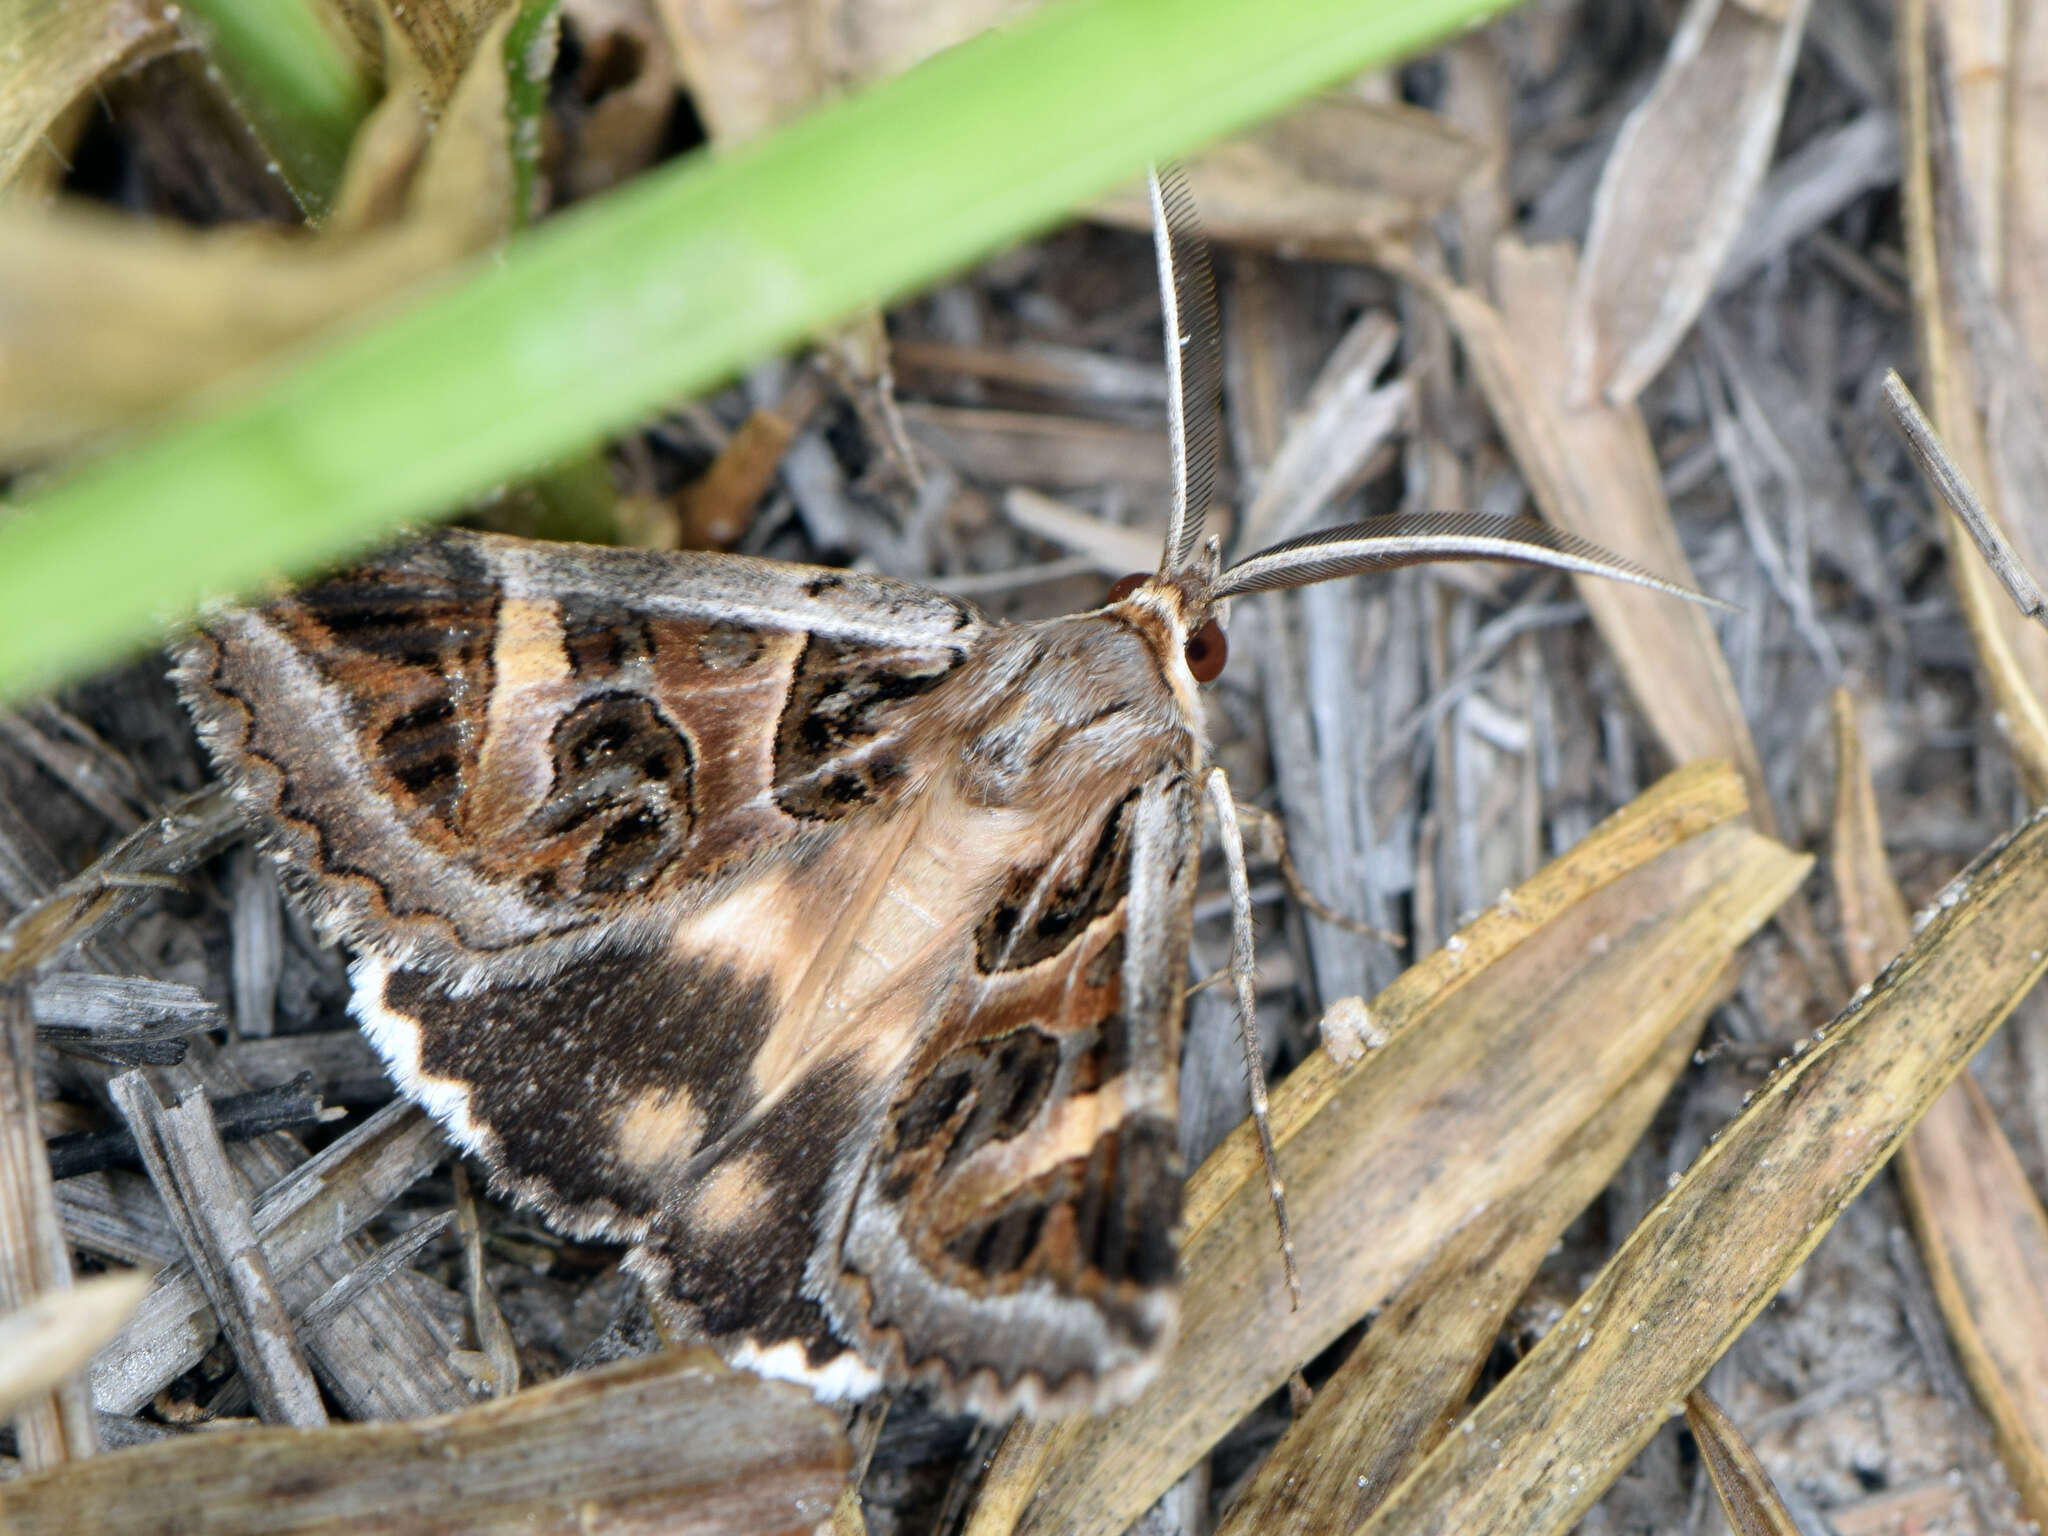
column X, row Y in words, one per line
column 731, row 1195
column 660, row 1129
column 531, row 680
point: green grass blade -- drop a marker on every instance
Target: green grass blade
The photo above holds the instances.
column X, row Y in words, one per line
column 289, row 77
column 662, row 288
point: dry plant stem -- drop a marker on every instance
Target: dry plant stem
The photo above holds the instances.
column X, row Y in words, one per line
column 1748, row 1497
column 1517, row 1024
column 1223, row 806
column 1946, row 479
column 1399, row 1392
column 57, row 1425
column 183, row 836
column 208, row 1204
column 1709, row 1256
column 673, row 1443
column 1981, row 1231
column 50, row 1339
column 380, row 1266
column 298, row 1219
column 493, row 1335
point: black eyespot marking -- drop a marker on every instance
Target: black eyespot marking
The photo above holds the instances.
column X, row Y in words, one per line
column 840, row 698
column 930, row 1108
column 1006, row 942
column 621, row 764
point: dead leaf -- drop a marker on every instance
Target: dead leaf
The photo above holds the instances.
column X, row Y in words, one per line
column 105, row 320
column 1676, row 190
column 1401, row 1389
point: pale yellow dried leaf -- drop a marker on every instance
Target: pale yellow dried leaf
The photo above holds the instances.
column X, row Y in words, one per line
column 1675, row 191
column 2013, row 650
column 55, row 1334
column 1982, row 1233
column 1388, row 1404
column 51, row 53
column 1748, row 1497
column 753, row 64
column 1594, row 472
column 1499, row 1048
column 1544, row 1445
column 1331, row 179
column 106, row 320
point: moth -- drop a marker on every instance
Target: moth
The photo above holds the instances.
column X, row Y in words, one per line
column 805, row 930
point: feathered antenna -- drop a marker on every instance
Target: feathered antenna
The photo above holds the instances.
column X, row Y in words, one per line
column 1384, row 543
column 1194, row 360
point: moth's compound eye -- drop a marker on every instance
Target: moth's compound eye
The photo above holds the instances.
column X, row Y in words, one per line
column 1126, row 585
column 1207, row 651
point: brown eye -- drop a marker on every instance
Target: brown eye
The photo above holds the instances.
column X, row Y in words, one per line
column 1126, row 585
column 1207, row 651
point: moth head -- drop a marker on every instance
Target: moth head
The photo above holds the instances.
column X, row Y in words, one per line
column 1191, row 580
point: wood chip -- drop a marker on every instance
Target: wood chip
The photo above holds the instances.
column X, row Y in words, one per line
column 93, row 1005
column 297, row 1219
column 55, row 1425
column 210, row 1208
column 1593, row 471
column 675, row 1442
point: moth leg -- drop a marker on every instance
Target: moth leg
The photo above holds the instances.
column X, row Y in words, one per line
column 1224, row 805
column 1273, row 832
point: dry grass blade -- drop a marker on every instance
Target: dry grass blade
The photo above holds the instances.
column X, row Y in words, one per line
column 53, row 1336
column 1594, row 473
column 1748, row 1497
column 56, row 51
column 35, row 1258
column 674, row 1442
column 1330, row 179
column 1676, row 190
column 1398, row 1393
column 1530, row 1018
column 1982, row 1233
column 2013, row 652
column 1542, row 1447
column 182, row 1149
